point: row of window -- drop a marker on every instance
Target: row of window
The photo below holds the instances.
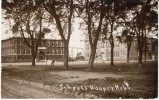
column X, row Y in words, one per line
column 116, row 54
column 49, row 43
column 7, row 43
column 119, row 53
column 49, row 51
column 24, row 51
column 21, row 42
column 28, row 51
column 105, row 45
column 7, row 51
column 55, row 51
column 108, row 54
column 27, row 58
column 54, row 43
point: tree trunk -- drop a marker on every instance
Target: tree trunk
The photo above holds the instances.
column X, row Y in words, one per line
column 145, row 48
column 33, row 56
column 111, row 41
column 145, row 56
column 33, row 60
column 66, row 55
column 140, row 56
column 112, row 55
column 91, row 58
column 128, row 51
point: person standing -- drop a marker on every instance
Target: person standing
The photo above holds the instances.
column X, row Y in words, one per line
column 52, row 63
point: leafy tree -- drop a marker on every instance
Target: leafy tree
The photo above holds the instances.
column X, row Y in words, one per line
column 110, row 24
column 92, row 13
column 126, row 38
column 62, row 14
column 27, row 18
column 150, row 24
column 145, row 18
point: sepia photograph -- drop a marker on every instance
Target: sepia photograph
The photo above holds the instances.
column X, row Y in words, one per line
column 79, row 49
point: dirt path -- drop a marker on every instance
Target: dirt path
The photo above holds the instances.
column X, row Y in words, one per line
column 13, row 89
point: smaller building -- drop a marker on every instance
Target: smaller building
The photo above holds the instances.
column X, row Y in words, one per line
column 15, row 49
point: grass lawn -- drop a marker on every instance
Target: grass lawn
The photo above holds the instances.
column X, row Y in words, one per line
column 143, row 82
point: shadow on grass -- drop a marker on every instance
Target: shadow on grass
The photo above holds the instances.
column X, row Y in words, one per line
column 143, row 80
column 123, row 67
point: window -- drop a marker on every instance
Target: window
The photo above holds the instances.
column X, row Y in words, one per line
column 28, row 51
column 101, row 45
column 56, row 43
column 55, row 52
column 48, row 52
column 114, row 53
column 52, row 51
column 6, row 52
column 2, row 52
column 59, row 44
column 10, row 51
column 87, row 46
column 52, row 44
column 48, row 43
column 19, row 51
column 18, row 42
column 11, row 42
column 123, row 52
column 61, row 51
column 13, row 51
column 23, row 51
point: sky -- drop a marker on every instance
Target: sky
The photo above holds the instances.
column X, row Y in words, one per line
column 75, row 39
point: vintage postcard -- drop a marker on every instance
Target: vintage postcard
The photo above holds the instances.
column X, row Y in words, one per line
column 79, row 49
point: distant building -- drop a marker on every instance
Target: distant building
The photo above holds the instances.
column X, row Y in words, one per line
column 15, row 49
column 103, row 51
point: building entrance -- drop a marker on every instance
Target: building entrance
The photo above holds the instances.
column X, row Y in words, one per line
column 41, row 55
